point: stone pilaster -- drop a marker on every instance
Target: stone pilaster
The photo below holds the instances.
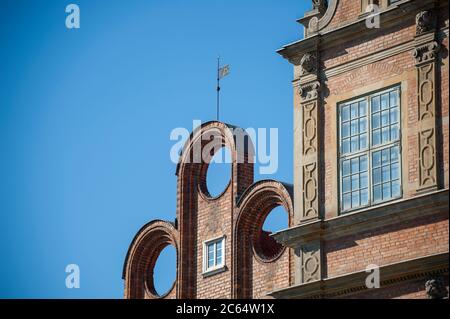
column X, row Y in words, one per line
column 307, row 165
column 310, row 137
column 425, row 54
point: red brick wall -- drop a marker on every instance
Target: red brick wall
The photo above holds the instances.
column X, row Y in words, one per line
column 214, row 220
column 421, row 237
column 267, row 277
column 365, row 45
column 347, row 11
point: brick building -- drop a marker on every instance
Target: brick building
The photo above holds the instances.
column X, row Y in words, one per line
column 370, row 172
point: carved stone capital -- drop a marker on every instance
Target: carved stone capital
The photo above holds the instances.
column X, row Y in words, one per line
column 424, row 22
column 435, row 289
column 309, row 91
column 426, row 53
column 308, row 63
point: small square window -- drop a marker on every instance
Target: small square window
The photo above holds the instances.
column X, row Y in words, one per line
column 213, row 255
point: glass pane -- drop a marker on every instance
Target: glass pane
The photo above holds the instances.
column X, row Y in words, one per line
column 376, row 176
column 346, row 146
column 210, row 249
column 346, row 184
column 376, row 159
column 386, row 190
column 362, row 108
column 394, row 154
column 364, row 197
column 219, row 259
column 394, row 133
column 363, row 141
column 354, row 110
column 395, row 171
column 347, row 203
column 394, row 98
column 376, row 120
column 345, row 168
column 355, row 199
column 396, row 189
column 345, row 113
column 385, row 135
column 354, row 144
column 210, row 255
column 385, row 156
column 219, row 245
column 386, row 173
column 363, row 163
column 354, row 127
column 394, row 115
column 377, row 193
column 355, row 165
column 364, row 181
column 363, row 125
column 375, row 104
column 376, row 138
column 385, row 118
column 355, row 182
column 346, row 129
column 385, row 101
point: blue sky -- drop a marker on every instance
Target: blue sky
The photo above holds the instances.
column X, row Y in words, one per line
column 86, row 114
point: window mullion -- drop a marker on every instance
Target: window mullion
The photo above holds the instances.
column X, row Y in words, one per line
column 369, row 152
column 215, row 254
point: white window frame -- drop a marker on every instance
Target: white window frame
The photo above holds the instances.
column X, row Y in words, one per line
column 370, row 149
column 216, row 267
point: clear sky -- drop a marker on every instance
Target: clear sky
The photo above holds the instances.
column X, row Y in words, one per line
column 86, row 115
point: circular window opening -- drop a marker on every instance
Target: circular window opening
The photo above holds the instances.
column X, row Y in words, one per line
column 267, row 247
column 218, row 175
column 165, row 270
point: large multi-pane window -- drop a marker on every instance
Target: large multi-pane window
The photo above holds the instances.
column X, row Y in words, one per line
column 369, row 141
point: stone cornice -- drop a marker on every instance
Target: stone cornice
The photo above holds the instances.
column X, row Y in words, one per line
column 377, row 56
column 398, row 211
column 391, row 274
column 390, row 16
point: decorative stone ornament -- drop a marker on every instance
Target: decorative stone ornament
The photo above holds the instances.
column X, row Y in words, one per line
column 320, row 5
column 424, row 22
column 426, row 53
column 309, row 91
column 436, row 289
column 308, row 63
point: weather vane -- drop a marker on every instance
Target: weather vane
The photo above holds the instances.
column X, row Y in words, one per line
column 221, row 73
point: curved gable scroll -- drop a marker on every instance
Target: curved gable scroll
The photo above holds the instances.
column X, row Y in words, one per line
column 253, row 207
column 191, row 172
column 141, row 259
column 314, row 21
